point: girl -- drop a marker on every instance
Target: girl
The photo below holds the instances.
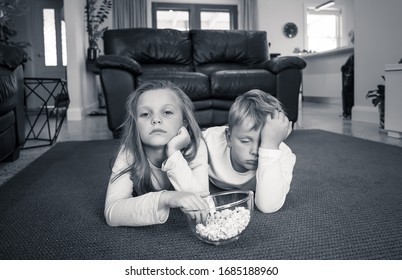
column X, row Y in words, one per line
column 162, row 162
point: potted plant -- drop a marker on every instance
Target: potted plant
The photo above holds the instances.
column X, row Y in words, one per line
column 378, row 97
column 96, row 15
column 9, row 9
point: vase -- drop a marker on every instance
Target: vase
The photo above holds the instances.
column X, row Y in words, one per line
column 92, row 53
column 381, row 110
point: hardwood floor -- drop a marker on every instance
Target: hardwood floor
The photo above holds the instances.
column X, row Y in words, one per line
column 328, row 117
column 312, row 115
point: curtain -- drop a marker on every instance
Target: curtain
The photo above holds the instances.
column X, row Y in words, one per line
column 129, row 13
column 250, row 18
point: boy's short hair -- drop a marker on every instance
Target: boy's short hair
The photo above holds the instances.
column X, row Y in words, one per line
column 253, row 105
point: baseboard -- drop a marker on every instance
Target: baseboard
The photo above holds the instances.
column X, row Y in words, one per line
column 394, row 134
column 91, row 108
column 326, row 100
column 75, row 114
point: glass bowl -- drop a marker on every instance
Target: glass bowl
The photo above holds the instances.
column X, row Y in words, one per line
column 227, row 218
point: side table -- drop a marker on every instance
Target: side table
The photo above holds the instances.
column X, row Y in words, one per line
column 46, row 102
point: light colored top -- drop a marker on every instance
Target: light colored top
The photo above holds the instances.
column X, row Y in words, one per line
column 271, row 181
column 122, row 209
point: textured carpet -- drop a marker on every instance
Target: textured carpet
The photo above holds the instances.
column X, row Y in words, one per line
column 9, row 169
column 345, row 203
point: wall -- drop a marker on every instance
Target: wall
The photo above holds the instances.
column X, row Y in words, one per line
column 81, row 83
column 274, row 14
column 378, row 41
column 216, row 2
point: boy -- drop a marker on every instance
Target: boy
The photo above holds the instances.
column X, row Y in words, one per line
column 249, row 153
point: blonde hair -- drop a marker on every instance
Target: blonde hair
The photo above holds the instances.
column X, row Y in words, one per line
column 253, row 105
column 131, row 142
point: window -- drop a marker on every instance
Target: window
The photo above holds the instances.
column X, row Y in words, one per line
column 63, row 43
column 323, row 29
column 49, row 32
column 50, row 39
column 194, row 16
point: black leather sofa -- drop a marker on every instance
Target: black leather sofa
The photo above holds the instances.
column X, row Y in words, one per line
column 12, row 114
column 213, row 67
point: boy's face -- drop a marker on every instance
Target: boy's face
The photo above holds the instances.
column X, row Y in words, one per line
column 244, row 143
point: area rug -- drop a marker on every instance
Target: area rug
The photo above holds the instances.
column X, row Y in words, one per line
column 345, row 202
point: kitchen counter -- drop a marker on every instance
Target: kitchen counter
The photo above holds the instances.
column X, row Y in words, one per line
column 322, row 77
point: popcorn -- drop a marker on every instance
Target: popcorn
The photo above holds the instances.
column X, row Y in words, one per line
column 225, row 224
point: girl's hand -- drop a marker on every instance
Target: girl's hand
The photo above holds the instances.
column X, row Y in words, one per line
column 275, row 130
column 180, row 141
column 187, row 201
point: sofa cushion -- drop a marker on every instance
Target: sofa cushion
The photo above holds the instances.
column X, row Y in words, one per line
column 229, row 84
column 211, row 117
column 210, row 68
column 202, row 104
column 195, row 85
column 222, row 104
column 147, row 45
column 166, row 67
column 233, row 46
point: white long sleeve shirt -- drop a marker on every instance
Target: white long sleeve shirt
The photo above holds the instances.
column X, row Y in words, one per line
column 122, row 209
column 271, row 181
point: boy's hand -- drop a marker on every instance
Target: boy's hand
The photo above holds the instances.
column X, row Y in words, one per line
column 275, row 130
column 180, row 141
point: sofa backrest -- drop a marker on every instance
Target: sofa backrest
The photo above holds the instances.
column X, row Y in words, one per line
column 215, row 50
column 154, row 49
column 204, row 51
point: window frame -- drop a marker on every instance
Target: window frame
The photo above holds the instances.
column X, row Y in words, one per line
column 195, row 12
column 329, row 11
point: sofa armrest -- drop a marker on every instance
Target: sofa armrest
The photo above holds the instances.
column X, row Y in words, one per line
column 281, row 63
column 287, row 91
column 119, row 62
column 20, row 109
column 11, row 57
column 12, row 98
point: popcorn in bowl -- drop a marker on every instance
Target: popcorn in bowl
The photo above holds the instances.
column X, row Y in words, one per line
column 225, row 224
column 228, row 216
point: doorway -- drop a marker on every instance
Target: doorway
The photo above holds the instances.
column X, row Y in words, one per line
column 49, row 57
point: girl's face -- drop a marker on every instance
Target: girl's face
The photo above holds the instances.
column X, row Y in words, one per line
column 159, row 116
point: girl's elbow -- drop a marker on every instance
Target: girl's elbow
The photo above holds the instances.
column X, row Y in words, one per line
column 109, row 221
column 265, row 208
column 108, row 217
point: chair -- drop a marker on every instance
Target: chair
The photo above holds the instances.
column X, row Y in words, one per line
column 12, row 115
